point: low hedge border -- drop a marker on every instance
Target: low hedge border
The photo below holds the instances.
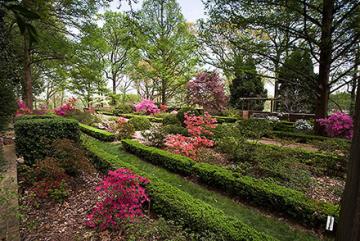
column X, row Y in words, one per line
column 97, row 133
column 103, row 112
column 34, row 135
column 225, row 119
column 174, row 204
column 260, row 192
column 151, row 118
column 303, row 138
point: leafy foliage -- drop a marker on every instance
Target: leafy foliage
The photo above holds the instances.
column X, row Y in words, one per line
column 140, row 123
column 247, row 83
column 207, row 90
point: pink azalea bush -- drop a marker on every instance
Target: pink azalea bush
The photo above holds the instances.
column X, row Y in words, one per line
column 338, row 125
column 22, row 108
column 122, row 197
column 163, row 107
column 198, row 128
column 66, row 108
column 147, row 106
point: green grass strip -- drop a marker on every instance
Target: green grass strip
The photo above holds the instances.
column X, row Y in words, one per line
column 263, row 223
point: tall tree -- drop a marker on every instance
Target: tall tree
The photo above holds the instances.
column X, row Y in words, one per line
column 167, row 47
column 349, row 223
column 118, row 48
column 247, row 83
column 297, row 83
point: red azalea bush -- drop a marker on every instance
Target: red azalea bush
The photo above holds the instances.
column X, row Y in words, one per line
column 207, row 90
column 338, row 125
column 163, row 108
column 122, row 197
column 198, row 128
column 147, row 106
column 66, row 108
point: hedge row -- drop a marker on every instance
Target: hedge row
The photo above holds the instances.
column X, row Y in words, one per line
column 225, row 119
column 151, row 118
column 304, row 138
column 260, row 192
column 174, row 204
column 34, row 135
column 323, row 163
column 97, row 133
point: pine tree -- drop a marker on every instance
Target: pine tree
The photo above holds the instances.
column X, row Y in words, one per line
column 297, row 83
column 247, row 83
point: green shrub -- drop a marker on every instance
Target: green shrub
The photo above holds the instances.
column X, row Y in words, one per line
column 303, row 137
column 155, row 136
column 284, row 126
column 255, row 128
column 174, row 204
column 264, row 193
column 140, row 123
column 97, row 133
column 175, row 129
column 83, row 117
column 182, row 111
column 124, row 131
column 34, row 136
column 7, row 100
column 171, row 119
column 123, row 109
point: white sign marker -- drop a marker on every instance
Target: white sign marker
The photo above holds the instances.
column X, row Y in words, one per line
column 330, row 223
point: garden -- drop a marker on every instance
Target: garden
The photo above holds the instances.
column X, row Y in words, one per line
column 133, row 120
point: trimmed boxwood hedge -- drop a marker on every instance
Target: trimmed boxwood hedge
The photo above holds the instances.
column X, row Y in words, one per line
column 97, row 133
column 302, row 137
column 34, row 135
column 172, row 203
column 263, row 193
column 225, row 119
column 150, row 118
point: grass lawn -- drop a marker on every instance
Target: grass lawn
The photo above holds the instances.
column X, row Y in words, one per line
column 263, row 223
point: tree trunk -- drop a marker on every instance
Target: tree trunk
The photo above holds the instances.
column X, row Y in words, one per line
column 326, row 45
column 349, row 223
column 354, row 82
column 28, row 94
column 114, row 85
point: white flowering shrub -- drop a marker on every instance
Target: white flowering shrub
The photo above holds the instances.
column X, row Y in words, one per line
column 273, row 118
column 303, row 125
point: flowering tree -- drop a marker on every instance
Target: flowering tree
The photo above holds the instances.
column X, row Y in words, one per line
column 198, row 128
column 66, row 108
column 338, row 125
column 207, row 90
column 122, row 197
column 147, row 106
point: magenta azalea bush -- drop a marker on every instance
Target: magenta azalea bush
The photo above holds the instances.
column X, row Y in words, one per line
column 66, row 108
column 22, row 108
column 338, row 125
column 147, row 106
column 122, row 197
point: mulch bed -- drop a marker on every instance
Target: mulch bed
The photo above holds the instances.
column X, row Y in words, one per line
column 63, row 221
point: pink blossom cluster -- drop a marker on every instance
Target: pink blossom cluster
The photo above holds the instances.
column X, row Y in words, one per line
column 122, row 197
column 338, row 125
column 121, row 120
column 22, row 108
column 197, row 127
column 66, row 108
column 147, row 106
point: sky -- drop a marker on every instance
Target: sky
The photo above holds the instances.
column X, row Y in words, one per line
column 191, row 9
